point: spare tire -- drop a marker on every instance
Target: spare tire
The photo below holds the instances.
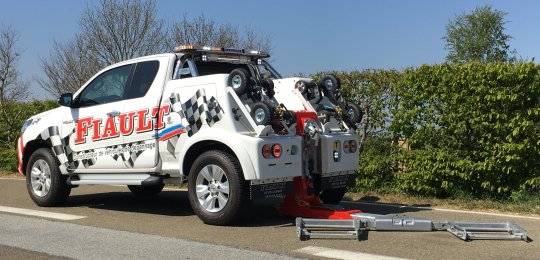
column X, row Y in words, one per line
column 268, row 87
column 262, row 113
column 322, row 114
column 330, row 83
column 353, row 113
column 302, row 86
column 238, row 80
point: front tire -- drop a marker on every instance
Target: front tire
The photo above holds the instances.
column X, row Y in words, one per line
column 45, row 183
column 217, row 190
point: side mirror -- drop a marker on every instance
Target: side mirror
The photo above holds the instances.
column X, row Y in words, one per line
column 66, row 99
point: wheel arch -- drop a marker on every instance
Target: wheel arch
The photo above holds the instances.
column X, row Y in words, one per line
column 200, row 147
column 29, row 149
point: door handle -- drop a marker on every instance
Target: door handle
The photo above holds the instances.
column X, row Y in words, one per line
column 113, row 113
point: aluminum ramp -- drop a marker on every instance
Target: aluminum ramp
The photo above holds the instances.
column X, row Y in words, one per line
column 362, row 223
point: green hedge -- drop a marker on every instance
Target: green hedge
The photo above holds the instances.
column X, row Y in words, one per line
column 471, row 127
column 464, row 128
column 12, row 117
column 8, row 160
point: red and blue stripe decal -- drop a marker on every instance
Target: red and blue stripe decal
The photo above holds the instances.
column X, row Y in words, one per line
column 170, row 132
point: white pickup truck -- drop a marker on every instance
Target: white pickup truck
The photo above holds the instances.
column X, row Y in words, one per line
column 222, row 120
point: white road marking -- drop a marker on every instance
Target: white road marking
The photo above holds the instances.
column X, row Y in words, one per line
column 446, row 210
column 17, row 179
column 39, row 213
column 341, row 254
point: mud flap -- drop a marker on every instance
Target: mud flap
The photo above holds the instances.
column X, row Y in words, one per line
column 271, row 190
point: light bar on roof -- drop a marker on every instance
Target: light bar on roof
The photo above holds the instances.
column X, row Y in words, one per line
column 196, row 48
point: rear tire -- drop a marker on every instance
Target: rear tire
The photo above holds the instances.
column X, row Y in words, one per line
column 145, row 191
column 218, row 193
column 45, row 183
column 332, row 196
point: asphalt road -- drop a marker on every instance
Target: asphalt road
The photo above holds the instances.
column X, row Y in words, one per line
column 117, row 224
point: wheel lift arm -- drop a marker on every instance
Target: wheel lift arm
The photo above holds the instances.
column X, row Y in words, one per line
column 361, row 223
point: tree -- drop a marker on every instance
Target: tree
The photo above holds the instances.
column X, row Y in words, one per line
column 207, row 32
column 68, row 67
column 111, row 32
column 478, row 36
column 115, row 31
column 12, row 88
column 119, row 30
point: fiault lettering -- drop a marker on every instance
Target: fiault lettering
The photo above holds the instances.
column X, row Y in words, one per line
column 139, row 121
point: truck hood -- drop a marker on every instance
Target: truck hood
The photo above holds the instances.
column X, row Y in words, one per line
column 43, row 114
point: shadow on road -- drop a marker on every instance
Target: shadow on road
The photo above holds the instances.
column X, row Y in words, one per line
column 173, row 203
column 176, row 203
column 169, row 203
column 367, row 206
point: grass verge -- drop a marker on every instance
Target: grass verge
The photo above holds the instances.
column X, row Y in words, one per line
column 11, row 175
column 522, row 204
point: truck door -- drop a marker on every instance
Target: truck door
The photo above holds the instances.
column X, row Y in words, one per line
column 143, row 107
column 91, row 127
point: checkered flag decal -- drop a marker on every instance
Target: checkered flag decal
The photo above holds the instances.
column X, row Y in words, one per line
column 51, row 135
column 214, row 113
column 196, row 110
column 127, row 156
column 69, row 152
column 88, row 162
column 193, row 110
column 171, row 145
column 176, row 106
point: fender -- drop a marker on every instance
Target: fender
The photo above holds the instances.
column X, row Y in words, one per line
column 230, row 140
column 39, row 129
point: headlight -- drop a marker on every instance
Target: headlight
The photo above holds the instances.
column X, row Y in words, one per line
column 26, row 124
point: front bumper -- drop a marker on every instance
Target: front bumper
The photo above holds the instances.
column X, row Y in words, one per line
column 20, row 153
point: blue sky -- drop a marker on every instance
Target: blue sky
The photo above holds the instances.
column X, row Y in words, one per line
column 307, row 36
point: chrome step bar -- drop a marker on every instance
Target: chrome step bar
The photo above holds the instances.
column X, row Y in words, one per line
column 362, row 223
column 114, row 179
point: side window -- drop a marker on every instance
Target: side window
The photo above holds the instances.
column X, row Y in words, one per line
column 106, row 88
column 185, row 71
column 145, row 73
